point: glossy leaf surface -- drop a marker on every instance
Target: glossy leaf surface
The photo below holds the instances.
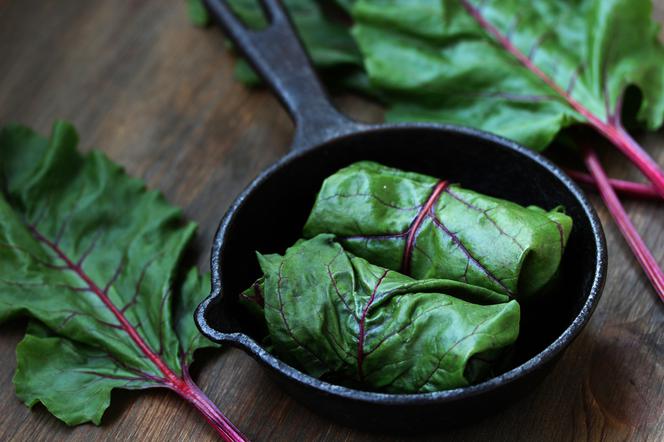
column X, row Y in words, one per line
column 441, row 62
column 428, row 228
column 338, row 316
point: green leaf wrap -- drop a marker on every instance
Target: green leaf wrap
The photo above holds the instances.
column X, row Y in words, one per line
column 426, row 228
column 338, row 316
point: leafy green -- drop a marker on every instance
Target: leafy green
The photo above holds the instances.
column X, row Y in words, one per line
column 428, row 228
column 73, row 381
column 338, row 316
column 93, row 257
column 439, row 61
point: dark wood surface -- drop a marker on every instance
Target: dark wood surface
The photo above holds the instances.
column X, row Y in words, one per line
column 157, row 95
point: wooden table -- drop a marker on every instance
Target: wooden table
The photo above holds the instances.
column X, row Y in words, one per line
column 157, row 95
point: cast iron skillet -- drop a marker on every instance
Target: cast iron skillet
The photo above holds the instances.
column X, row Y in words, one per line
column 268, row 216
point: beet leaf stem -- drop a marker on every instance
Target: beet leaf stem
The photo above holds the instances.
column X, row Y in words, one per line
column 189, row 391
column 629, row 232
column 621, row 187
column 609, row 126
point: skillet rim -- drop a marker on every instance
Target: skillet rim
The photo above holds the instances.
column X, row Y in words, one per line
column 249, row 345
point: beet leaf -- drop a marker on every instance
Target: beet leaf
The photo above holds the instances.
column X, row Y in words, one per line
column 427, row 228
column 92, row 257
column 339, row 317
column 489, row 63
column 518, row 68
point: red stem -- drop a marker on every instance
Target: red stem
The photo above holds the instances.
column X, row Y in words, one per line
column 639, row 248
column 415, row 226
column 184, row 386
column 611, row 129
column 189, row 391
column 622, row 187
column 621, row 139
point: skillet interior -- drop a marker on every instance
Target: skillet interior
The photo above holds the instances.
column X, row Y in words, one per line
column 269, row 217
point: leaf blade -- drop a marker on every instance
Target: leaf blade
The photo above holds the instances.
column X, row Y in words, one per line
column 94, row 256
column 569, row 46
column 85, row 377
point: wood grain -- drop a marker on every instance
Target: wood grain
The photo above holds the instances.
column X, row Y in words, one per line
column 157, row 95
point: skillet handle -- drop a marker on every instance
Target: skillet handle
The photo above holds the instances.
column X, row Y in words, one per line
column 277, row 54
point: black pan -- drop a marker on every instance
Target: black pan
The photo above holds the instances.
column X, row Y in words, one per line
column 268, row 216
